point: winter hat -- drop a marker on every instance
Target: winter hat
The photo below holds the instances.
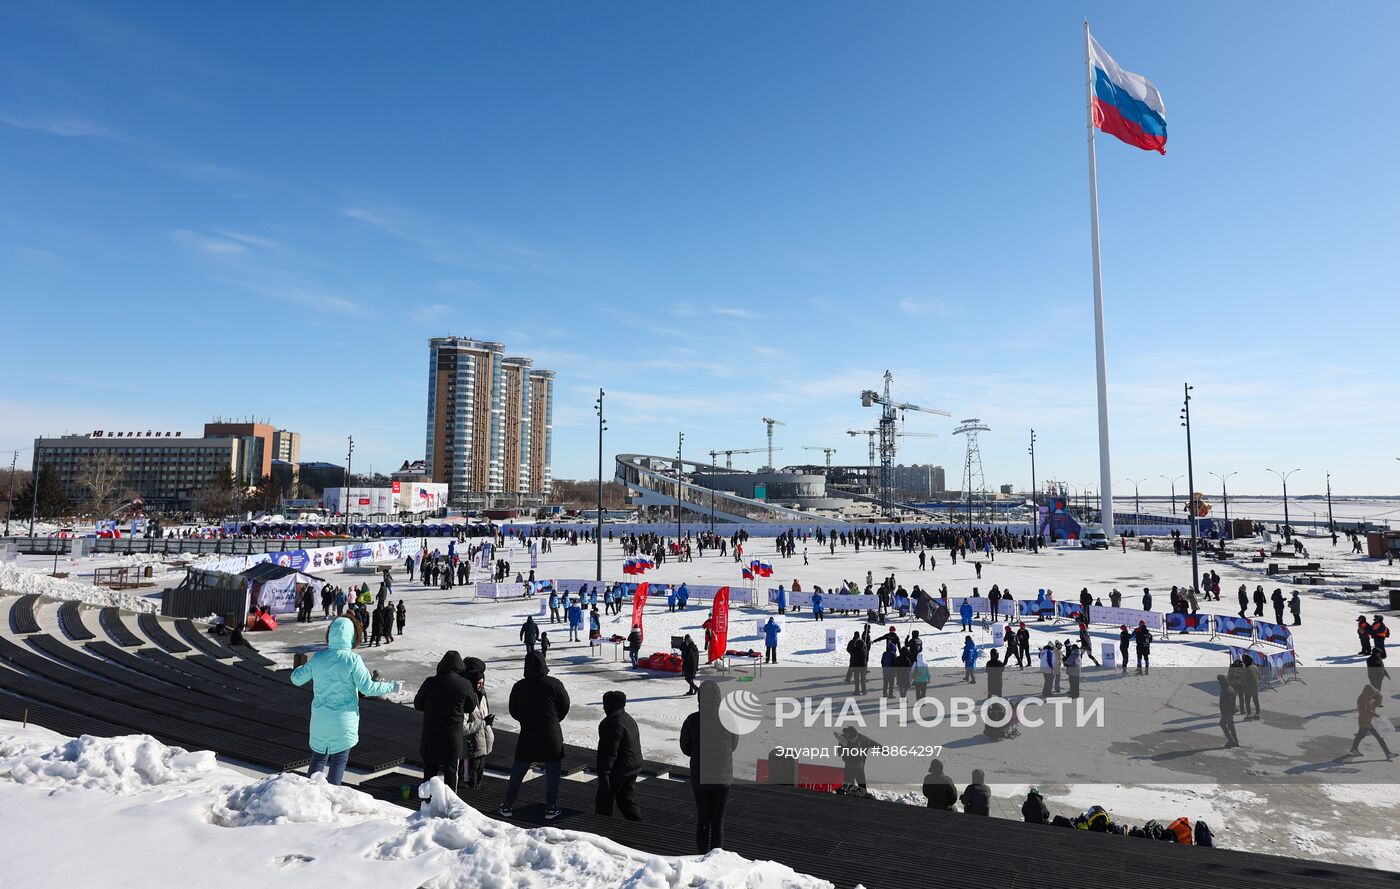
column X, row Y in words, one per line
column 614, row 701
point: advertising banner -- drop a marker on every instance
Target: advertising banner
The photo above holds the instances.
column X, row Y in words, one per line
column 1241, row 627
column 639, row 602
column 1129, row 617
column 719, row 625
column 1274, row 634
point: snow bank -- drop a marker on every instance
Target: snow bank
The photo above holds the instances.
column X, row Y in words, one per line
column 494, row 855
column 114, row 765
column 292, row 799
column 23, row 580
column 119, row 789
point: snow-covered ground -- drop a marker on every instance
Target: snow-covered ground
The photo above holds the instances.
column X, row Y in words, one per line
column 443, row 619
column 131, row 812
column 1351, row 823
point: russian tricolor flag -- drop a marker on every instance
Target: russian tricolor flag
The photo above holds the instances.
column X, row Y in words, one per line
column 748, row 574
column 630, row 567
column 1127, row 105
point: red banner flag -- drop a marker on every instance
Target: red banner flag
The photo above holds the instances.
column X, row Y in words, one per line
column 639, row 602
column 719, row 625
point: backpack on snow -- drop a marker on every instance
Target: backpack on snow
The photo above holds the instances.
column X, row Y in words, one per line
column 1204, row 837
column 1152, row 830
column 1061, row 821
column 1181, row 830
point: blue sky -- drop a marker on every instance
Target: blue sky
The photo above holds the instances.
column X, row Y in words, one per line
column 717, row 212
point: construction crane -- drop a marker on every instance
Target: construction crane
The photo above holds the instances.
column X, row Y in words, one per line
column 827, row 451
column 730, row 452
column 770, row 423
column 890, row 412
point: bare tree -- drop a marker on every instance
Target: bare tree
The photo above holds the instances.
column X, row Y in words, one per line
column 217, row 500
column 103, row 477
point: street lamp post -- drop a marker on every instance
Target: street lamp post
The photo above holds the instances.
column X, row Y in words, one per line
column 598, row 533
column 1283, row 477
column 1225, row 495
column 345, row 507
column 1331, row 527
column 1034, row 502
column 1173, row 483
column 1137, row 506
column 1191, row 485
column 10, row 504
column 680, row 440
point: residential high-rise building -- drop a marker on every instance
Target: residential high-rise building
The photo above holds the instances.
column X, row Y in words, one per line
column 919, row 480
column 541, row 431
column 465, row 404
column 515, row 453
column 286, row 446
column 488, row 432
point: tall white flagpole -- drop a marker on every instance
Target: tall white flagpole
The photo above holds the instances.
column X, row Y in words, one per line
column 1105, row 475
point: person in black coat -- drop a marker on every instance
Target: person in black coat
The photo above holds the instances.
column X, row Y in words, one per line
column 1023, row 646
column 1259, row 600
column 538, row 703
column 1226, row 703
column 710, row 747
column 858, row 660
column 994, row 675
column 1034, row 810
column 939, row 789
column 444, row 698
column 619, row 758
column 976, row 797
column 690, row 663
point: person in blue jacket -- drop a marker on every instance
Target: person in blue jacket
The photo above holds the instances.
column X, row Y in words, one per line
column 682, row 597
column 338, row 677
column 595, row 624
column 553, row 607
column 965, row 613
column 782, row 600
column 969, row 659
column 671, row 599
column 1041, row 605
column 770, row 641
column 818, row 611
column 575, row 613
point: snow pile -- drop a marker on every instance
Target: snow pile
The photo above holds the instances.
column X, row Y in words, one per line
column 120, row 766
column 330, row 837
column 292, row 799
column 494, row 855
column 23, row 580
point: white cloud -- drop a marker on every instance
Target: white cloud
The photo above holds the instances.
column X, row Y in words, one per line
column 447, row 241
column 53, row 125
column 926, row 306
column 432, row 313
column 206, row 244
column 250, row 240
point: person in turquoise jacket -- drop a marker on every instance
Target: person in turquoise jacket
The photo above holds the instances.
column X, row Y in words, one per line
column 338, row 676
